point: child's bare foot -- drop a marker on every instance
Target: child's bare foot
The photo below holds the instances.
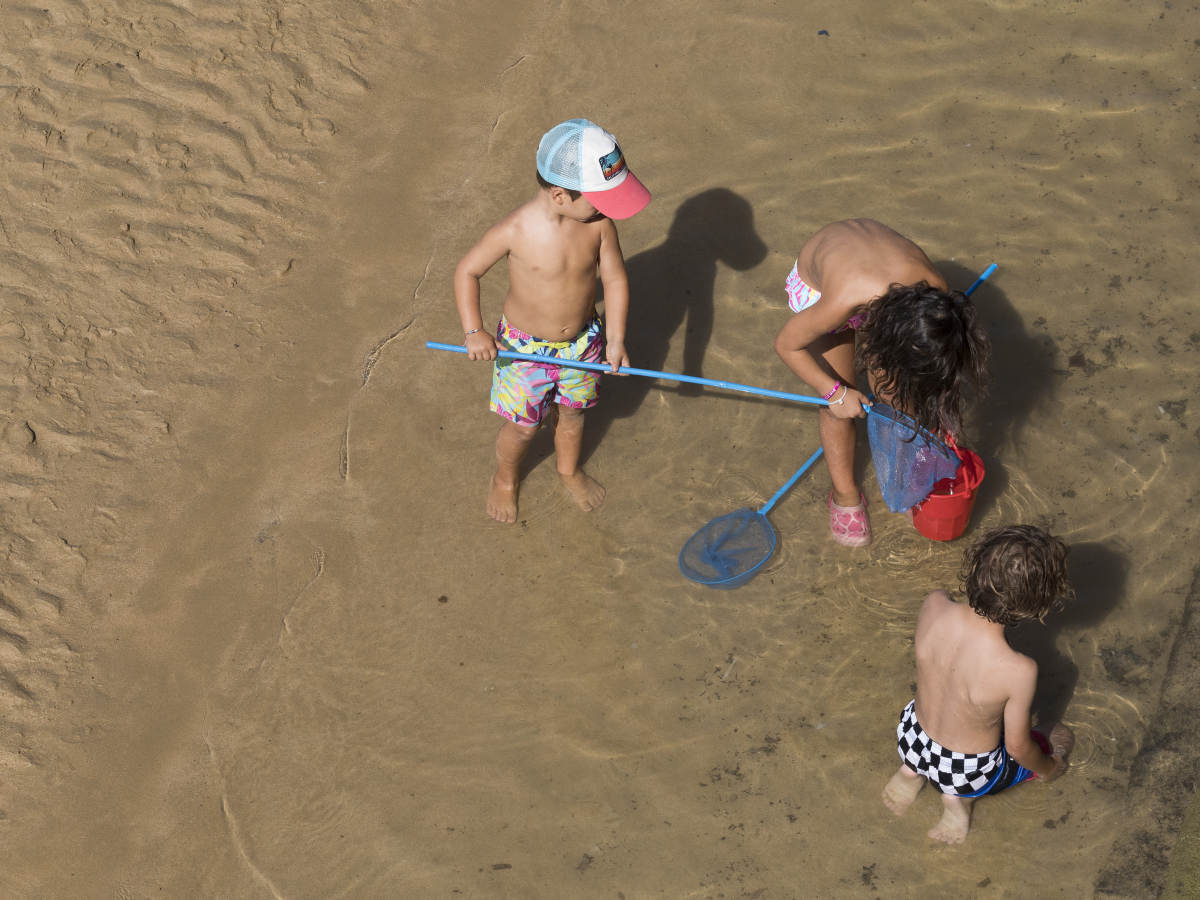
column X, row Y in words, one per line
column 502, row 502
column 955, row 821
column 902, row 790
column 584, row 490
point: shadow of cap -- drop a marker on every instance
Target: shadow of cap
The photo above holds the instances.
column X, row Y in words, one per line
column 719, row 224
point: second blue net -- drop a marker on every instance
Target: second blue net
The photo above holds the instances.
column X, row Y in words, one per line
column 909, row 460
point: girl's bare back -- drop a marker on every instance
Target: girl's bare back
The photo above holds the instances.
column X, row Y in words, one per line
column 856, row 260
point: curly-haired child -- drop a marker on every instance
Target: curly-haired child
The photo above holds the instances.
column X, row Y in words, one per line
column 974, row 692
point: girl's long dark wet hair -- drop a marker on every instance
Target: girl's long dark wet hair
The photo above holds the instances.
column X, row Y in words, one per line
column 924, row 346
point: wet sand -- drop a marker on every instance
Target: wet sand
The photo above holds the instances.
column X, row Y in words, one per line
column 258, row 637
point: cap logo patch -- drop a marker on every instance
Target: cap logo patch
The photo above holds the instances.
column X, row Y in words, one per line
column 612, row 164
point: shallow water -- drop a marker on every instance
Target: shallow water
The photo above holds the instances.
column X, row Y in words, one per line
column 291, row 657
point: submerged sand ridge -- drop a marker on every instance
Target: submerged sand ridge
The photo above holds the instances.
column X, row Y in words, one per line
column 156, row 167
column 262, row 640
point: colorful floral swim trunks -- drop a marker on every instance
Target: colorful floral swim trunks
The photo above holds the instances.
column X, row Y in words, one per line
column 523, row 391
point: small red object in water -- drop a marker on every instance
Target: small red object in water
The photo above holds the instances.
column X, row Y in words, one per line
column 944, row 514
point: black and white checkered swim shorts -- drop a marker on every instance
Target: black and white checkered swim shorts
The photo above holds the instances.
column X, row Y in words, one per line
column 959, row 774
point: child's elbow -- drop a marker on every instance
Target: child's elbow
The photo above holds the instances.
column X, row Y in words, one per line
column 1021, row 749
column 1025, row 752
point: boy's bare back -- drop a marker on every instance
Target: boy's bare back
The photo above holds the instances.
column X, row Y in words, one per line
column 967, row 675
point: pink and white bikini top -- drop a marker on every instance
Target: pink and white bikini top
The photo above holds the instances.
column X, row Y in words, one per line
column 801, row 297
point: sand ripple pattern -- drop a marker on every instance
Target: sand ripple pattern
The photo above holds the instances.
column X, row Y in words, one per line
column 157, row 156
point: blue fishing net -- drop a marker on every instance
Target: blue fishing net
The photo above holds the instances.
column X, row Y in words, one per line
column 909, row 460
column 727, row 551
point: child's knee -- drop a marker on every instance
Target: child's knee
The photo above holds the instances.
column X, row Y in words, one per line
column 519, row 433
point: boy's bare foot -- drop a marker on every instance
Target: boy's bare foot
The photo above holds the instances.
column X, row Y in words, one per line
column 584, row 490
column 955, row 821
column 502, row 502
column 902, row 790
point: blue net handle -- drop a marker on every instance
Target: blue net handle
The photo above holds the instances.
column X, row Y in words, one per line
column 645, row 373
column 981, row 279
column 766, row 508
column 673, row 376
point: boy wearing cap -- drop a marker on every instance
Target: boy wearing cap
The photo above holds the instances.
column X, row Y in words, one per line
column 556, row 245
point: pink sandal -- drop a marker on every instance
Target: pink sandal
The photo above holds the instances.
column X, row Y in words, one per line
column 849, row 523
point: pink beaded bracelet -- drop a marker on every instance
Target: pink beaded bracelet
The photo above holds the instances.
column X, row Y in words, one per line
column 833, row 390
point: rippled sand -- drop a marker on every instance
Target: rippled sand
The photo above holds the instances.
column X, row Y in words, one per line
column 257, row 637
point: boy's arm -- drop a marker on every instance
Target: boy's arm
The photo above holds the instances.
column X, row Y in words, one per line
column 616, row 295
column 492, row 247
column 1018, row 722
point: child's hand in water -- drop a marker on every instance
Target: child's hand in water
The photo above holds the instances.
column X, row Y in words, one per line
column 1062, row 741
column 1060, row 767
column 480, row 345
column 848, row 404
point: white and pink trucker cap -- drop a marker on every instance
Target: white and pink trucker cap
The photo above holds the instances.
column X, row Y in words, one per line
column 581, row 156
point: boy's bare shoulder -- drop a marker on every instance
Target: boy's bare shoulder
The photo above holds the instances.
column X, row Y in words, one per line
column 521, row 217
column 937, row 614
column 1018, row 664
column 1008, row 671
column 935, row 602
column 516, row 231
column 504, row 230
column 495, row 243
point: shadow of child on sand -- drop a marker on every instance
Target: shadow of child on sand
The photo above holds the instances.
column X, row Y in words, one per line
column 669, row 285
column 1098, row 572
column 1022, row 372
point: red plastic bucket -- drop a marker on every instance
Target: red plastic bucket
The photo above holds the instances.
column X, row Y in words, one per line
column 944, row 514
